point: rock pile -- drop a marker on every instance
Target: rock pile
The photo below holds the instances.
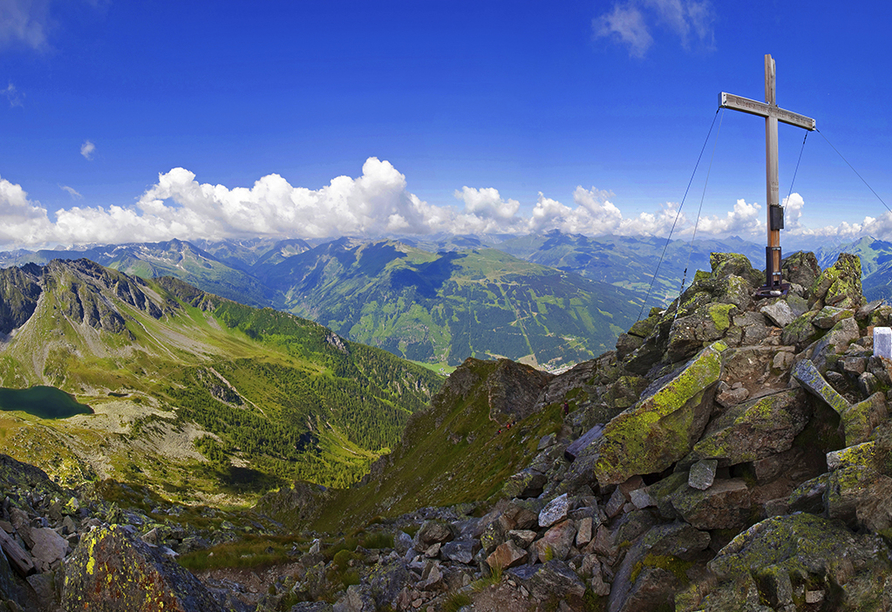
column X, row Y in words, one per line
column 730, row 454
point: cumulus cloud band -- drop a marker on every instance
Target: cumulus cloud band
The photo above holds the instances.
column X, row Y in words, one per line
column 377, row 203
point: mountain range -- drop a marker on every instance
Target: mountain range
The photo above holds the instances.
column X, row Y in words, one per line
column 550, row 300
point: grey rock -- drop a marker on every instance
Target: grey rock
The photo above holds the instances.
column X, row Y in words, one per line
column 49, row 546
column 702, row 474
column 556, row 510
column 459, row 551
column 725, row 505
column 778, row 313
column 434, row 532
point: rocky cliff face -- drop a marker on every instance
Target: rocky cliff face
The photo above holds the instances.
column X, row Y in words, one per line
column 731, row 454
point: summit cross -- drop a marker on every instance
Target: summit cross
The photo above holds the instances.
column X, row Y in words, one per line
column 774, row 284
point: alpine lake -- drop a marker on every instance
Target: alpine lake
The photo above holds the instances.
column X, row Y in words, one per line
column 43, row 402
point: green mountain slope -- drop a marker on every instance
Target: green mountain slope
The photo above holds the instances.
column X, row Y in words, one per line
column 192, row 392
column 448, row 306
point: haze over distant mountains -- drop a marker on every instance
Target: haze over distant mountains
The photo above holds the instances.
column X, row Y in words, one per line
column 548, row 299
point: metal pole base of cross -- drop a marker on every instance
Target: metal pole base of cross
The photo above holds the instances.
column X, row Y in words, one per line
column 774, row 283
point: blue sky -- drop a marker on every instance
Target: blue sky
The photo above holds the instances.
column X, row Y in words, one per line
column 153, row 120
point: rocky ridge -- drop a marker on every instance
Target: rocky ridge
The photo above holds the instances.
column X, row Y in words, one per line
column 731, row 454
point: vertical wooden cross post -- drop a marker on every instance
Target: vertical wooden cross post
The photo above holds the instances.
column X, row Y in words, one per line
column 774, row 284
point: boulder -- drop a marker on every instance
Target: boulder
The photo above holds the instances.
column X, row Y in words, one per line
column 839, row 285
column 507, row 555
column 801, row 268
column 557, row 541
column 48, row 547
column 724, row 505
column 676, row 539
column 829, row 316
column 799, row 553
column 860, row 420
column 834, row 342
column 661, row 428
column 386, row 581
column 702, row 474
column 801, row 332
column 779, row 313
column 112, row 570
column 556, row 510
column 583, row 442
column 754, row 430
column 434, row 532
column 555, row 578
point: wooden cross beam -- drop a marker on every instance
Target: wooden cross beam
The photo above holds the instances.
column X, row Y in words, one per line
column 774, row 284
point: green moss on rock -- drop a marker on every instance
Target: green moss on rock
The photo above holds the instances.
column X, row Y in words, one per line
column 661, row 428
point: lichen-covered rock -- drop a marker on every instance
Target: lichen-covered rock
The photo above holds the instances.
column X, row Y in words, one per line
column 734, row 264
column 801, row 268
column 802, row 552
column 807, row 375
column 829, row 316
column 839, row 285
column 754, row 430
column 862, row 418
column 111, row 570
column 835, row 342
column 724, row 505
column 801, row 332
column 662, row 427
column 690, row 333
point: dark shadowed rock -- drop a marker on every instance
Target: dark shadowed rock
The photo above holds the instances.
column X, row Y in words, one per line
column 725, row 505
column 111, row 571
column 804, row 552
column 801, row 268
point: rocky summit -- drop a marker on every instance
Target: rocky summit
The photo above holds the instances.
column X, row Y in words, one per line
column 730, row 454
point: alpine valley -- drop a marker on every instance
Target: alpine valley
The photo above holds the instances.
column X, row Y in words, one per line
column 189, row 392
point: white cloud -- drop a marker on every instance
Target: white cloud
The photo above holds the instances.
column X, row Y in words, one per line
column 627, row 24
column 13, row 95
column 21, row 221
column 72, row 192
column 376, row 203
column 24, row 22
column 88, row 149
column 632, row 23
column 793, row 211
column 743, row 219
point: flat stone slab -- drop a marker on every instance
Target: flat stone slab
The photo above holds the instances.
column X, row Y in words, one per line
column 807, row 375
column 582, row 442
